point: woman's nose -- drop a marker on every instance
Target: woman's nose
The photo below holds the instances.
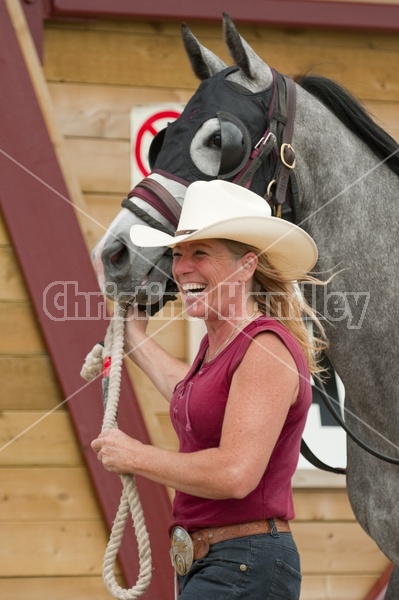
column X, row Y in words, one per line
column 182, row 265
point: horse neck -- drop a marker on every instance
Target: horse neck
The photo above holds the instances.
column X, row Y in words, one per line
column 349, row 206
column 342, row 184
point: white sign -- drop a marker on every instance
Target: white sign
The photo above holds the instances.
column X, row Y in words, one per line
column 145, row 122
column 324, row 436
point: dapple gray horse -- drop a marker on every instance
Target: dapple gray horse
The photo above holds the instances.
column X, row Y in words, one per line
column 312, row 148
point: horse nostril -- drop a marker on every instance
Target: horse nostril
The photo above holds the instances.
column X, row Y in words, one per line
column 115, row 257
column 119, row 256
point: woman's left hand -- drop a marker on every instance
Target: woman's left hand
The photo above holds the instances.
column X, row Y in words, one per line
column 115, row 450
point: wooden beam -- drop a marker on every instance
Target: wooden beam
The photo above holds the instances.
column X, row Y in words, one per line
column 46, row 106
column 281, row 13
column 47, row 239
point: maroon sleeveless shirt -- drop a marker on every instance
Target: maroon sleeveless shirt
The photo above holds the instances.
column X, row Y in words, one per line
column 197, row 412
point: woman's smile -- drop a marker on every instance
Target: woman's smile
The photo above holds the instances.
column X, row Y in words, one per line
column 202, row 270
column 193, row 288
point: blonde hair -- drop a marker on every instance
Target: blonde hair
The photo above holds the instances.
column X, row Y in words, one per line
column 277, row 296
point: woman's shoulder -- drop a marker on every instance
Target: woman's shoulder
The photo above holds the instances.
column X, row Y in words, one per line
column 269, row 341
column 265, row 324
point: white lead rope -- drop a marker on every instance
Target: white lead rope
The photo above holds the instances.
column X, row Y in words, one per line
column 110, row 356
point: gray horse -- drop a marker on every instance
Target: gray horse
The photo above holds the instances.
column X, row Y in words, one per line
column 344, row 191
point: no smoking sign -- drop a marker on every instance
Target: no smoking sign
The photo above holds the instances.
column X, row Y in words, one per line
column 145, row 122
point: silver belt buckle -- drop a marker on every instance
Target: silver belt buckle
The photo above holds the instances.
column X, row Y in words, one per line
column 182, row 550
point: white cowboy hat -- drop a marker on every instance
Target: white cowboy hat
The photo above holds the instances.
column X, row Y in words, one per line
column 220, row 209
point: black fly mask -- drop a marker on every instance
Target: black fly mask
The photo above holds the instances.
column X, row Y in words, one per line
column 245, row 114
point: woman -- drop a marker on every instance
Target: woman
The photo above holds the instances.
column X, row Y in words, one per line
column 239, row 411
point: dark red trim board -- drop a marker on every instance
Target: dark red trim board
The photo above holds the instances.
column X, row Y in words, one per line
column 34, row 15
column 279, row 13
column 378, row 590
column 50, row 248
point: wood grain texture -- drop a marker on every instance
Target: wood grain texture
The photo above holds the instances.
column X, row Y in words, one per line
column 137, row 59
column 28, row 383
column 59, row 588
column 44, row 549
column 20, row 332
column 46, row 494
column 35, row 438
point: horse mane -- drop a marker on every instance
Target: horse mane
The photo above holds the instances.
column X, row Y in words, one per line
column 354, row 116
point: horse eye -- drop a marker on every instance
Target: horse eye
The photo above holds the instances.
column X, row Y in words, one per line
column 215, row 141
column 221, row 146
column 236, row 145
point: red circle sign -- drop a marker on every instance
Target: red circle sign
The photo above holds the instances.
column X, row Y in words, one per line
column 148, row 127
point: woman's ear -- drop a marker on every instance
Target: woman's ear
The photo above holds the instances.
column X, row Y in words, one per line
column 248, row 265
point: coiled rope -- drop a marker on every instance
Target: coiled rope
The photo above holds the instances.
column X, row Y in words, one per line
column 109, row 360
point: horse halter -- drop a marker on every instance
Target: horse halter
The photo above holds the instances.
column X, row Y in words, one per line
column 282, row 120
column 243, row 154
column 239, row 162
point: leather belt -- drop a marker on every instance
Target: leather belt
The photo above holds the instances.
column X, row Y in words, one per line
column 186, row 547
column 204, row 538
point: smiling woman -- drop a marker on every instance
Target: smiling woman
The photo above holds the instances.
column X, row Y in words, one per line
column 211, row 280
column 239, row 411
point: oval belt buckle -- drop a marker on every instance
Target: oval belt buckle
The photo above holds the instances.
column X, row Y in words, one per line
column 182, row 550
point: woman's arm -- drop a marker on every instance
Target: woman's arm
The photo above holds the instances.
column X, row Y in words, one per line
column 164, row 370
column 264, row 387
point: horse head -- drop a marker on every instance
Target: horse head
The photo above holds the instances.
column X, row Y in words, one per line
column 224, row 132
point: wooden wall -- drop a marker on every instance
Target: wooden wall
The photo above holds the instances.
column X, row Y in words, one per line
column 52, row 533
column 49, row 519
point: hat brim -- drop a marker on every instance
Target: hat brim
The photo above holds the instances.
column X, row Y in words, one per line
column 288, row 247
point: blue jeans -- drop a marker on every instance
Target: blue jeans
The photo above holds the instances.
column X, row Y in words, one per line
column 256, row 567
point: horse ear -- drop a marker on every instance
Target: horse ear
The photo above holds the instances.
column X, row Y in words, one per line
column 254, row 72
column 204, row 62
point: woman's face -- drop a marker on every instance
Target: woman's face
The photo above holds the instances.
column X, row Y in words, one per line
column 212, row 282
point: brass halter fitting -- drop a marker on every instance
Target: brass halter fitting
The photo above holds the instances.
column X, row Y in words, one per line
column 287, row 156
column 276, row 208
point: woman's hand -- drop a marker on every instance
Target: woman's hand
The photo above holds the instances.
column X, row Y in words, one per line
column 116, row 451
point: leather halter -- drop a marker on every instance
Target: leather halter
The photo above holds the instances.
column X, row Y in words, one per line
column 159, row 198
column 274, row 144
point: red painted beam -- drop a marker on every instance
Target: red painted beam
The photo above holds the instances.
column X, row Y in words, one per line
column 379, row 589
column 34, row 14
column 279, row 13
column 50, row 248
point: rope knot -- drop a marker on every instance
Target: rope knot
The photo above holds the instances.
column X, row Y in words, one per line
column 93, row 363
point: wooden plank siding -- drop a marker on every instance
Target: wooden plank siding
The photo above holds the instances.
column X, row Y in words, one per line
column 50, row 522
column 49, row 516
column 49, row 245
